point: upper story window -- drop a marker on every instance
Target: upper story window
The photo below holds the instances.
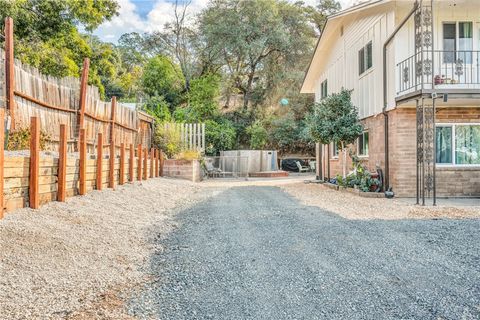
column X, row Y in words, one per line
column 323, row 89
column 362, row 144
column 458, row 144
column 365, row 59
column 457, row 41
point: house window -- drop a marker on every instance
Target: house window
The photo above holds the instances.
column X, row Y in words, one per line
column 457, row 41
column 323, row 89
column 334, row 150
column 365, row 58
column 458, row 144
column 363, row 144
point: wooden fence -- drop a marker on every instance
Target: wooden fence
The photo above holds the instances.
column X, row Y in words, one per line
column 30, row 181
column 112, row 142
column 191, row 135
column 69, row 101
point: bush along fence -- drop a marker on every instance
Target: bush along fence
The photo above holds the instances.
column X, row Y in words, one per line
column 69, row 101
column 30, row 181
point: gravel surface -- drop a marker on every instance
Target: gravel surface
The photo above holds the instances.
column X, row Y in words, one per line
column 352, row 206
column 71, row 260
column 256, row 253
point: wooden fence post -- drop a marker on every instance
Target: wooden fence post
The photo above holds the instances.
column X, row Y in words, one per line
column 156, row 163
column 83, row 162
column 2, row 143
column 112, row 119
column 83, row 95
column 161, row 163
column 111, row 171
column 99, row 161
column 130, row 163
column 145, row 163
column 9, row 71
column 121, row 179
column 34, row 162
column 139, row 165
column 62, row 164
column 152, row 162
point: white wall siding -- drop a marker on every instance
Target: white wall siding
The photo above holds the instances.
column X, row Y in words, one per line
column 342, row 66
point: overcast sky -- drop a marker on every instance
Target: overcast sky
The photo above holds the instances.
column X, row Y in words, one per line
column 149, row 15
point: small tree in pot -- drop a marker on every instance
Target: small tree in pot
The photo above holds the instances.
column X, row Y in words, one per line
column 335, row 119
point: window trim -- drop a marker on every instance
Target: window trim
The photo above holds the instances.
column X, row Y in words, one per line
column 323, row 89
column 456, row 23
column 453, row 164
column 364, row 63
column 358, row 145
column 334, row 157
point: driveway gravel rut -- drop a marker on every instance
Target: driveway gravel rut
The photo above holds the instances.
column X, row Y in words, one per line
column 256, row 253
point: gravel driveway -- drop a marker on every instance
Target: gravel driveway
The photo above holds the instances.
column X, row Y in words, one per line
column 256, row 253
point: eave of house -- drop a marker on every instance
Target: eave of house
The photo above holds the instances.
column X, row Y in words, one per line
column 330, row 35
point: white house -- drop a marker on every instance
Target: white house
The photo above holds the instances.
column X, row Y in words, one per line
column 414, row 68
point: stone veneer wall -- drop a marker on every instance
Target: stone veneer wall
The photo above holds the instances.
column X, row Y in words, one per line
column 182, row 169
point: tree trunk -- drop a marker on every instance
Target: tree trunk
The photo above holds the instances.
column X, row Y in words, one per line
column 344, row 161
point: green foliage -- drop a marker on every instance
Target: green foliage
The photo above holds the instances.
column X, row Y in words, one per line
column 249, row 37
column 289, row 135
column 163, row 78
column 20, row 139
column 361, row 178
column 220, row 136
column 335, row 119
column 258, row 135
column 203, row 96
column 46, row 34
column 168, row 139
column 158, row 108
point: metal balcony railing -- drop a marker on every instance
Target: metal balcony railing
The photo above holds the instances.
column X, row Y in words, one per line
column 450, row 69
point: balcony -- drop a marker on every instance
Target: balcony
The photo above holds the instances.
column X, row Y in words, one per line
column 451, row 70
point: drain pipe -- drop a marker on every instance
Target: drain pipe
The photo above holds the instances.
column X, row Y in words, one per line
column 385, row 94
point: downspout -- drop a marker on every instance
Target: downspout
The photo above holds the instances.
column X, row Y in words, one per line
column 385, row 94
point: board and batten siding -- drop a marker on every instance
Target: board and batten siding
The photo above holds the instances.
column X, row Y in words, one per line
column 342, row 70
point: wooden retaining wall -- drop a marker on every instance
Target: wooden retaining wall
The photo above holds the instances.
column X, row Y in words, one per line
column 59, row 177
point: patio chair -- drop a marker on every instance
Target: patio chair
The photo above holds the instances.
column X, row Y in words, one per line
column 212, row 171
column 313, row 166
column 301, row 168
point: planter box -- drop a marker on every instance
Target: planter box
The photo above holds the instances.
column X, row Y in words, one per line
column 355, row 191
column 183, row 169
column 364, row 194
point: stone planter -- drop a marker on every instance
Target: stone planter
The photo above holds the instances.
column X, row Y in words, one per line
column 183, row 169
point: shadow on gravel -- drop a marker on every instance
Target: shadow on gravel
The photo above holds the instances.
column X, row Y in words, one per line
column 257, row 253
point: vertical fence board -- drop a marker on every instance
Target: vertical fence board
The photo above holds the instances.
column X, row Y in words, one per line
column 34, row 162
column 111, row 170
column 139, row 165
column 99, row 161
column 121, row 179
column 62, row 164
column 161, row 163
column 83, row 162
column 83, row 94
column 130, row 163
column 9, row 70
column 152, row 164
column 145, row 163
column 156, row 163
column 2, row 143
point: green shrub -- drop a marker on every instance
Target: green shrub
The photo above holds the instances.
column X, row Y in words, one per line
column 219, row 135
column 258, row 135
